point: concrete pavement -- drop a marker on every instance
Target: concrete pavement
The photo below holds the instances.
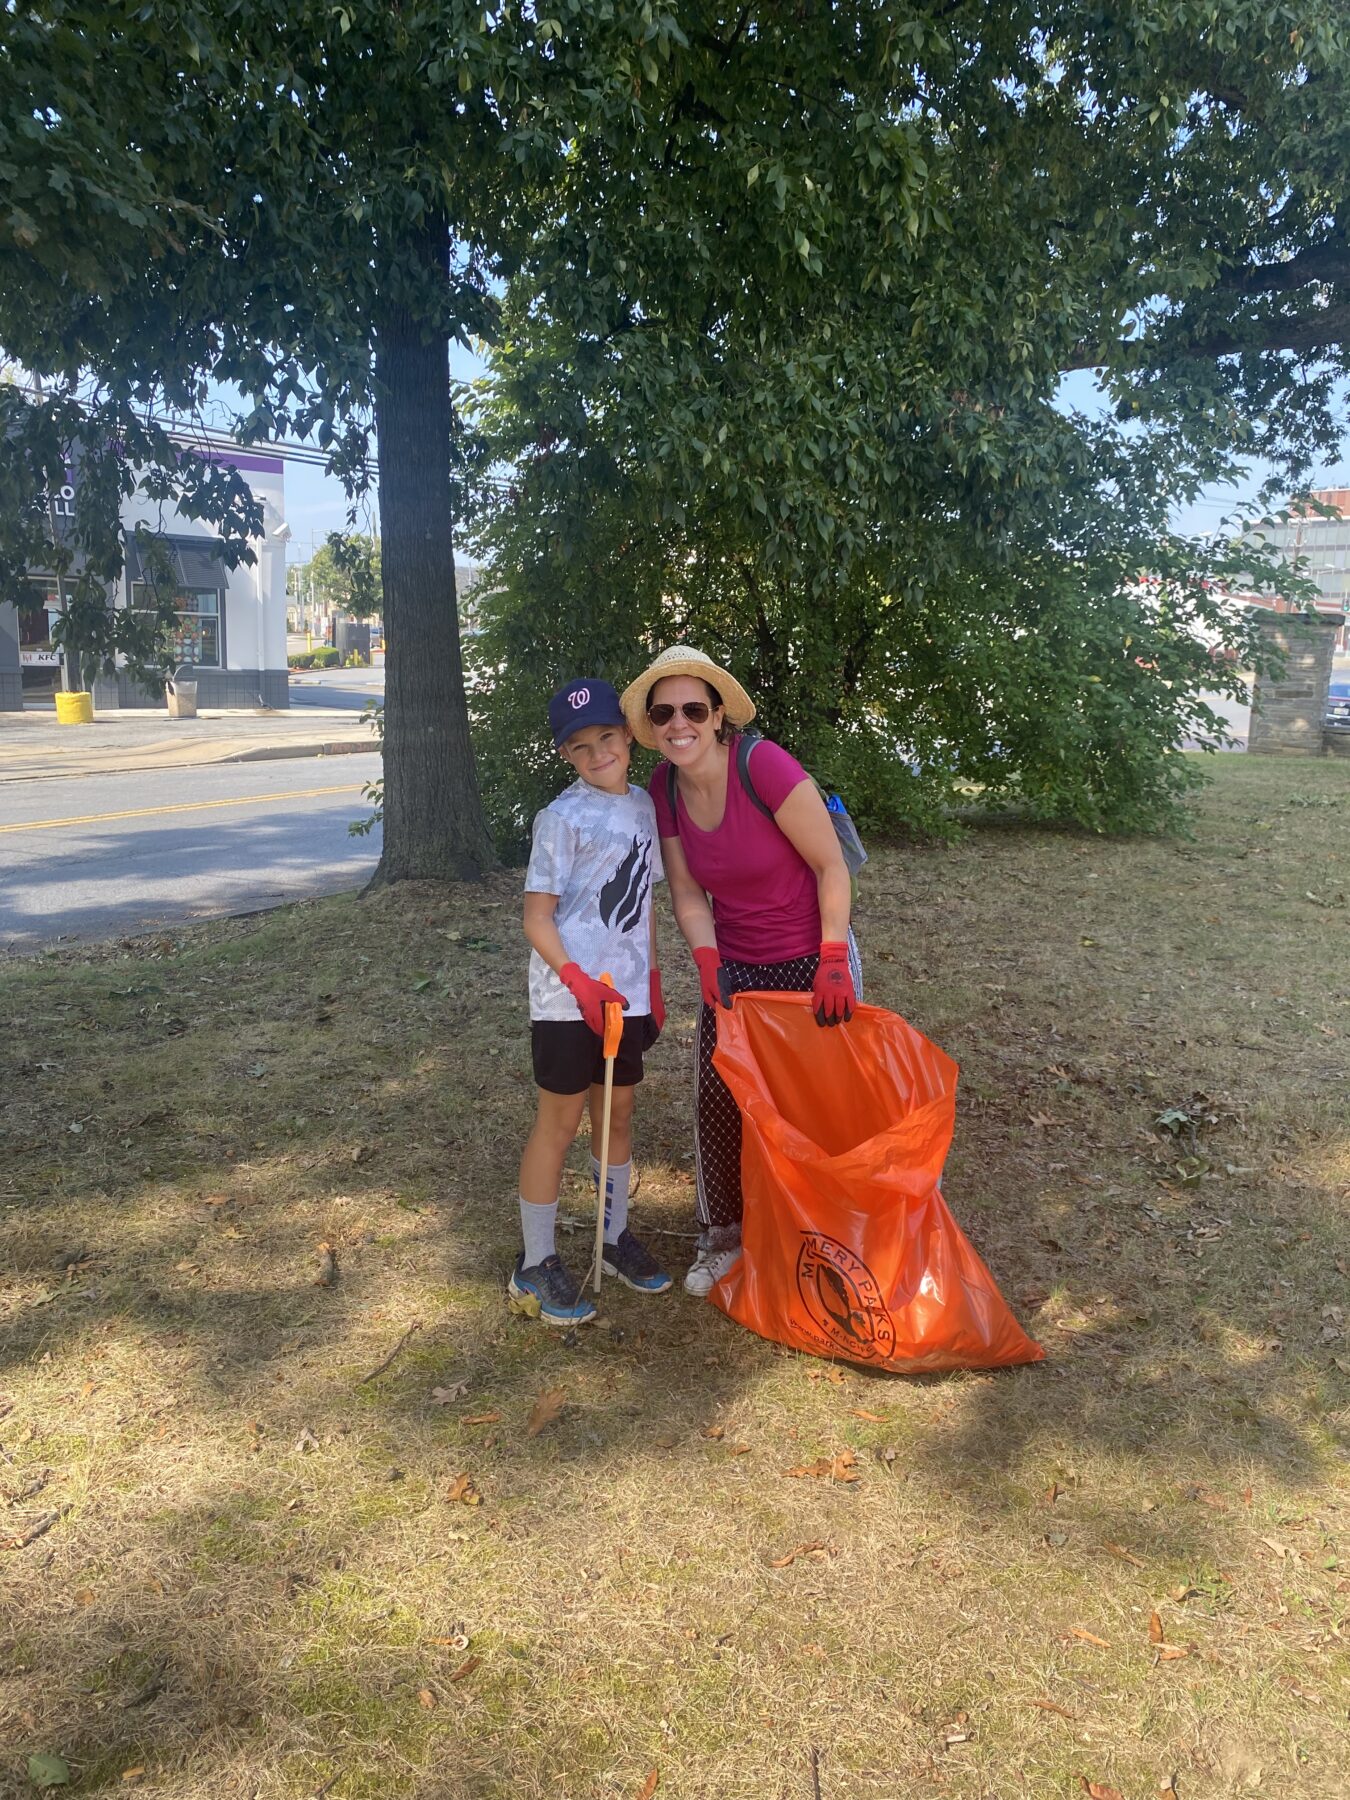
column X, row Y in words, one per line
column 33, row 747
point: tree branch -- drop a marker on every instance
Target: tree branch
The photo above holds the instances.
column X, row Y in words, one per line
column 1306, row 333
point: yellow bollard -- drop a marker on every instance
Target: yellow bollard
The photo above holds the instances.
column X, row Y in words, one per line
column 74, row 709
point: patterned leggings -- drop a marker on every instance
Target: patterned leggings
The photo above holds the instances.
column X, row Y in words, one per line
column 717, row 1118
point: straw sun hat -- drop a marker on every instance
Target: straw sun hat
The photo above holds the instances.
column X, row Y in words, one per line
column 681, row 660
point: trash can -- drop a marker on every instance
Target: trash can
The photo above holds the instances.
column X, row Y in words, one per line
column 182, row 697
column 352, row 638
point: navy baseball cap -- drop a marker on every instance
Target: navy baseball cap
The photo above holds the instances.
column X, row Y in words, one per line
column 588, row 701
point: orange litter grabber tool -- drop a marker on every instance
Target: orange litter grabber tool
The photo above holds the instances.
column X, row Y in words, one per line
column 613, row 1032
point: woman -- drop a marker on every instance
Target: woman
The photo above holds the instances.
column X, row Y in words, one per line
column 763, row 901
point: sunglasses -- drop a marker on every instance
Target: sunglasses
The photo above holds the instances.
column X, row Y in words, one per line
column 696, row 711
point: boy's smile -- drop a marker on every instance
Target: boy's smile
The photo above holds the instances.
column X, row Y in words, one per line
column 600, row 754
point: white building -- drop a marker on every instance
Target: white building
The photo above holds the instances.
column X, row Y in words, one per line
column 231, row 637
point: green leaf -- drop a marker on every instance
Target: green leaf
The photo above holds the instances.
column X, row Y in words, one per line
column 47, row 1771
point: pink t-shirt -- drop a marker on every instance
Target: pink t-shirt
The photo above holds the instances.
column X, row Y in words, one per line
column 763, row 893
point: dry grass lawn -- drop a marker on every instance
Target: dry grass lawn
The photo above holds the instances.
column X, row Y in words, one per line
column 262, row 1574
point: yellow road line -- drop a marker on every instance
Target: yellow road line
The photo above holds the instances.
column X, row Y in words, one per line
column 150, row 812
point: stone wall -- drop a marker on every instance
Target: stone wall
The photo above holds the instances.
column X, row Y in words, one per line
column 1287, row 710
column 236, row 688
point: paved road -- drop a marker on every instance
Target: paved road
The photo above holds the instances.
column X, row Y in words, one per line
column 90, row 857
column 350, row 688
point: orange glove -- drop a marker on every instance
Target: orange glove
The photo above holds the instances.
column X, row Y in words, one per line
column 832, row 995
column 591, row 996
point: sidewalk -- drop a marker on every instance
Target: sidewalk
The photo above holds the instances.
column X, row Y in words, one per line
column 33, row 747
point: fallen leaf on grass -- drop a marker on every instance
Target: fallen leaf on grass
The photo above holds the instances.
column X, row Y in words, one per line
column 48, row 1771
column 466, row 1668
column 84, row 1596
column 817, row 1547
column 426, row 1699
column 461, row 1489
column 838, row 1468
column 1098, row 1790
column 328, row 1268
column 1049, row 1706
column 714, row 1431
column 831, row 1373
column 545, row 1410
column 492, row 1418
column 1171, row 1652
column 90, row 1387
column 738, row 1449
column 649, row 1786
column 525, row 1306
column 858, row 1412
column 1155, row 1630
column 133, row 1774
column 443, row 1396
column 1089, row 1637
column 1281, row 1550
column 1125, row 1555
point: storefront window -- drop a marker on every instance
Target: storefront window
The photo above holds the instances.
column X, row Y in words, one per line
column 197, row 638
column 41, row 664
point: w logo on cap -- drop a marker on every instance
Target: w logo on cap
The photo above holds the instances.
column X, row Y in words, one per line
column 578, row 698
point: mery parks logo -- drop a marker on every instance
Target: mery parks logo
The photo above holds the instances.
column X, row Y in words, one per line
column 843, row 1299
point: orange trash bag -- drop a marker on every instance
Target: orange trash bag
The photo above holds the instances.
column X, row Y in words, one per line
column 849, row 1249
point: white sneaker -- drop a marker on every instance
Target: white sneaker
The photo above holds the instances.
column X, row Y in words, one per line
column 708, row 1269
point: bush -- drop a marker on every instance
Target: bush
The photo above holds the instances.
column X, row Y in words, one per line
column 324, row 657
column 300, row 659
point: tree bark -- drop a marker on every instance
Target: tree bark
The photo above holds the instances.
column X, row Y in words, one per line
column 434, row 828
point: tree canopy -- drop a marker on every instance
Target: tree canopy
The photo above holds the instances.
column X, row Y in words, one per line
column 781, row 295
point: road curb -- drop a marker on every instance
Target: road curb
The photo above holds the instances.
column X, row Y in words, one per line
column 277, row 752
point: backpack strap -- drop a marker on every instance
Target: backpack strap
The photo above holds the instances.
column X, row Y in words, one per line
column 744, row 746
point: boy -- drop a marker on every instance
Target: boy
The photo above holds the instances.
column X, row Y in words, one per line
column 588, row 912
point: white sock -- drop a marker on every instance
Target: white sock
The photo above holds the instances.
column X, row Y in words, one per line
column 536, row 1227
column 616, row 1197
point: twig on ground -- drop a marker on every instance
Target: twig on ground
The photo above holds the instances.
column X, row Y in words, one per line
column 30, row 1489
column 380, row 1368
column 148, row 1689
column 324, row 1786
column 815, row 1773
column 37, row 1530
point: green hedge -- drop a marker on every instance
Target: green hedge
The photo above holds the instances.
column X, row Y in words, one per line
column 323, row 658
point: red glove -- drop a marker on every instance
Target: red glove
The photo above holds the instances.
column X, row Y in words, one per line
column 658, row 1002
column 709, row 962
column 832, row 995
column 591, row 996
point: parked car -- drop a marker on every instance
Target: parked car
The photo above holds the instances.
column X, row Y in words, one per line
column 1337, row 716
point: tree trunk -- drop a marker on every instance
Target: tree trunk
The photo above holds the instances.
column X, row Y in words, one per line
column 434, row 828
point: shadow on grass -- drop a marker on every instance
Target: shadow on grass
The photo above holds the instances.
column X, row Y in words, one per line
column 280, row 1533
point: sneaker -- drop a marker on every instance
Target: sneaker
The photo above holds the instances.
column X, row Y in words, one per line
column 708, row 1268
column 634, row 1264
column 561, row 1302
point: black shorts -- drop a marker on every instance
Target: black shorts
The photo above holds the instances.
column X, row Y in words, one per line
column 569, row 1057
